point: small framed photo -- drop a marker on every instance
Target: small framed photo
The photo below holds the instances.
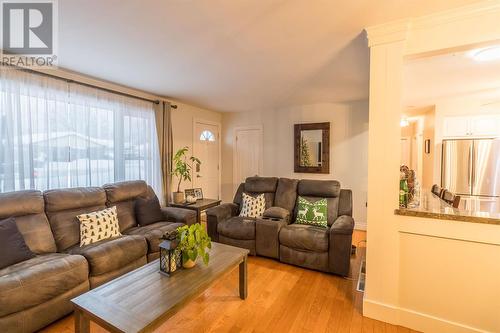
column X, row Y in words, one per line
column 198, row 193
column 189, row 192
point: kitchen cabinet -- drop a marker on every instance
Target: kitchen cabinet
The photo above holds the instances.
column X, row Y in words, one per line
column 471, row 126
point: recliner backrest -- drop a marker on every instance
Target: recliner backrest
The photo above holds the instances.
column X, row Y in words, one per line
column 258, row 185
column 314, row 190
column 286, row 193
column 27, row 207
column 62, row 206
column 123, row 195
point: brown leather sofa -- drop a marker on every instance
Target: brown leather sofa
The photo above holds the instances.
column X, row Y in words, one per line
column 36, row 292
column 276, row 236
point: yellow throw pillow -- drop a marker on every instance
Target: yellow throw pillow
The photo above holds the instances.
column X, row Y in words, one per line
column 98, row 225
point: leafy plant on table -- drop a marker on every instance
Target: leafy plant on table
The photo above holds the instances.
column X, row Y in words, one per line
column 193, row 242
column 182, row 169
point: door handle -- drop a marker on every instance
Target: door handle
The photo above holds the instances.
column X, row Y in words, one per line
column 473, row 164
column 469, row 171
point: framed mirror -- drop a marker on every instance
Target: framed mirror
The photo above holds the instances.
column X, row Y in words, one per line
column 312, row 148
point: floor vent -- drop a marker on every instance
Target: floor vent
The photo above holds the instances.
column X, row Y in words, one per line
column 362, row 276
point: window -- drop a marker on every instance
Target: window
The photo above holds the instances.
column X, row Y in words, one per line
column 207, row 136
column 54, row 134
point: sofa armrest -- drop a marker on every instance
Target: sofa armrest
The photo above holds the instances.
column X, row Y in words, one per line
column 344, row 224
column 276, row 213
column 218, row 214
column 174, row 214
column 339, row 250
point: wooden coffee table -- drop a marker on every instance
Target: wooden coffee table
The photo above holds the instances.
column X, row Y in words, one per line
column 140, row 301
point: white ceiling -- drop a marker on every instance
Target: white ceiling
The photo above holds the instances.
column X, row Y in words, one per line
column 427, row 80
column 231, row 55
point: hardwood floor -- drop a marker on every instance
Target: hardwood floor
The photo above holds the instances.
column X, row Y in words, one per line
column 281, row 298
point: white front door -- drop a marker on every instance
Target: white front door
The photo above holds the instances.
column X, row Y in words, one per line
column 247, row 154
column 206, row 148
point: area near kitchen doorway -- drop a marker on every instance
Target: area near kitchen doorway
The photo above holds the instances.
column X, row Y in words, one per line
column 450, row 126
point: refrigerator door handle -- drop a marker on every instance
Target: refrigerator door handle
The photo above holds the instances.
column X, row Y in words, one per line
column 473, row 173
column 469, row 169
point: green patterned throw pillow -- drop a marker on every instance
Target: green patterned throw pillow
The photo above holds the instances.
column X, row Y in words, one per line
column 312, row 213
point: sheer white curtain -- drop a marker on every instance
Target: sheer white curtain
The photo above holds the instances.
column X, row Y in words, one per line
column 54, row 134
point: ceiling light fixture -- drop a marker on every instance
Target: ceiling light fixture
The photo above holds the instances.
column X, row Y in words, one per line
column 487, row 54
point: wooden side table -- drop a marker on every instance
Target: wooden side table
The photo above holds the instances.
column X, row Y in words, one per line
column 199, row 206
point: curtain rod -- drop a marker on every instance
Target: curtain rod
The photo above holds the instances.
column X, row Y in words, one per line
column 173, row 106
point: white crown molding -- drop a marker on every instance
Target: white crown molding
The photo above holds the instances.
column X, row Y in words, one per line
column 388, row 32
column 399, row 30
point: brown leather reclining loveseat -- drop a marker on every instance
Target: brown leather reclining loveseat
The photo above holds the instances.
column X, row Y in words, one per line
column 36, row 292
column 275, row 235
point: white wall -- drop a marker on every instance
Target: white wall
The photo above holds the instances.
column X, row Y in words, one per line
column 348, row 146
column 182, row 127
column 430, row 275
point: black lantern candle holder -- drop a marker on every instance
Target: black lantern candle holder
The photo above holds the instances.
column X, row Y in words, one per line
column 170, row 255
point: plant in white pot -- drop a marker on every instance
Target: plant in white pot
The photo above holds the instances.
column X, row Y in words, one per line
column 194, row 242
column 182, row 170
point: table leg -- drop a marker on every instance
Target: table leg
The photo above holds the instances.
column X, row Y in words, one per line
column 243, row 279
column 198, row 216
column 82, row 322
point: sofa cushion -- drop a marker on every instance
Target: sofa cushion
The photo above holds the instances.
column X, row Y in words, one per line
column 123, row 195
column 97, row 226
column 123, row 191
column 304, row 237
column 38, row 280
column 148, row 211
column 13, row 248
column 63, row 205
column 286, row 193
column 153, row 232
column 111, row 254
column 261, row 184
column 237, row 227
column 319, row 188
column 29, row 210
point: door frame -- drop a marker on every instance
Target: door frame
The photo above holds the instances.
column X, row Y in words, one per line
column 261, row 144
column 219, row 135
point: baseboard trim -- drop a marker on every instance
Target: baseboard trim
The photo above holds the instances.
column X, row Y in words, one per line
column 360, row 226
column 413, row 319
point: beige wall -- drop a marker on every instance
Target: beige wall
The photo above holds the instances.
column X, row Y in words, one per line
column 348, row 145
column 182, row 127
column 427, row 274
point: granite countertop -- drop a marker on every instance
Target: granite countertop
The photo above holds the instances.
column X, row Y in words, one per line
column 431, row 206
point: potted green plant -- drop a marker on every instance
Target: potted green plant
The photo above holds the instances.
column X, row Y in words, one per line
column 193, row 242
column 182, row 170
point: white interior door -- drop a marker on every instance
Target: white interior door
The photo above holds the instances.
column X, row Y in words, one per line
column 206, row 147
column 247, row 154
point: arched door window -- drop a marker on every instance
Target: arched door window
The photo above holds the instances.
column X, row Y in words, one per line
column 207, row 136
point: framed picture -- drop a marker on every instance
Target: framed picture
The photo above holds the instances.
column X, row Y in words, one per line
column 198, row 193
column 189, row 191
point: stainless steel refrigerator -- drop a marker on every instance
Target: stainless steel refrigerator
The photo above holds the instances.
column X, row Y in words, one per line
column 471, row 167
